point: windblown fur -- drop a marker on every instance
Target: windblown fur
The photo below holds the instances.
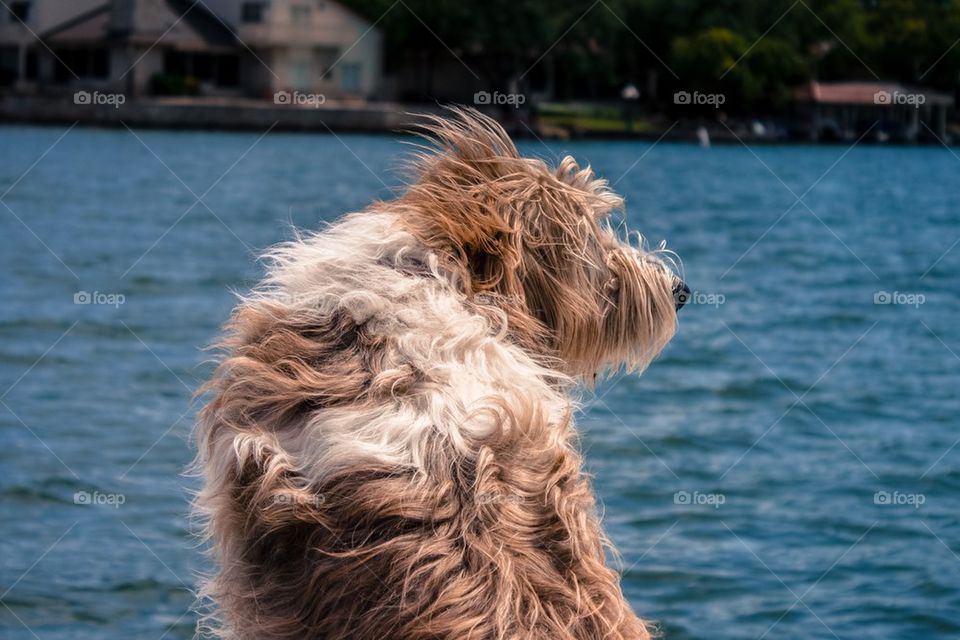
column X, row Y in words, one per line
column 388, row 452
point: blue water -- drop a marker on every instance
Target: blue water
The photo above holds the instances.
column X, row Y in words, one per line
column 787, row 401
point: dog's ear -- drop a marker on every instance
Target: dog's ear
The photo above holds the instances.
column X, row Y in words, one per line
column 464, row 200
column 515, row 234
column 472, row 201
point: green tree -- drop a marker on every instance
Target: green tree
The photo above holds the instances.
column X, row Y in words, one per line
column 711, row 62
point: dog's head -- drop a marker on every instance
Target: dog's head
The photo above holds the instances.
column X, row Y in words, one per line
column 532, row 246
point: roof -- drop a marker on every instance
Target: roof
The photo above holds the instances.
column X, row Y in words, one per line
column 868, row 93
column 201, row 21
column 180, row 23
column 92, row 25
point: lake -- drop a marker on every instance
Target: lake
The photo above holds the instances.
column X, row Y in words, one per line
column 787, row 468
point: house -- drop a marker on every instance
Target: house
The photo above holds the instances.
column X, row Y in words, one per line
column 305, row 45
column 889, row 111
column 19, row 22
column 205, row 47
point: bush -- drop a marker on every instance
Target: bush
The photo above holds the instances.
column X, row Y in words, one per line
column 163, row 84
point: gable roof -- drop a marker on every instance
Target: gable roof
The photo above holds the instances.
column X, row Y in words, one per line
column 182, row 24
column 91, row 25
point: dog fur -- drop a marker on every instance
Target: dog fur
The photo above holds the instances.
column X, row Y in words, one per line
column 388, row 451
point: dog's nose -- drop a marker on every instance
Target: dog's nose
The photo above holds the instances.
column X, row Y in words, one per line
column 681, row 293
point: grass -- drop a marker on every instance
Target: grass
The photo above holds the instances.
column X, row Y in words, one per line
column 592, row 119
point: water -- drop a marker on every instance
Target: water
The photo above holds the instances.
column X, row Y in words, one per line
column 786, row 403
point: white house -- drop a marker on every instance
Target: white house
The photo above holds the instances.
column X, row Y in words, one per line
column 305, row 45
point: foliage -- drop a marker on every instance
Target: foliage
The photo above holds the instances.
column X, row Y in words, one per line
column 752, row 51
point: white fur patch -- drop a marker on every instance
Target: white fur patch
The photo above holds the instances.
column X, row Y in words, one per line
column 363, row 266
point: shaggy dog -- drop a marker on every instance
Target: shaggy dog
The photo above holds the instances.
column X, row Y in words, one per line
column 388, row 451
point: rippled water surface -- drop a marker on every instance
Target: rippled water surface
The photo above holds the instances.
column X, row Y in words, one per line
column 788, row 468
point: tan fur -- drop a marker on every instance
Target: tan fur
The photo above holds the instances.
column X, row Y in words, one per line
column 388, row 450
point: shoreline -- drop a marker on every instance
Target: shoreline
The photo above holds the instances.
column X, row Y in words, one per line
column 387, row 118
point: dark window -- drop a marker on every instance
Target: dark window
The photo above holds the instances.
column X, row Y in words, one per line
column 221, row 70
column 81, row 63
column 174, row 63
column 228, row 71
column 31, row 65
column 99, row 63
column 9, row 61
column 19, row 11
column 351, row 77
column 62, row 69
column 251, row 12
column 203, row 66
column 325, row 57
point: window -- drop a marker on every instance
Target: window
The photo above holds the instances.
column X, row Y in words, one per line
column 220, row 70
column 31, row 65
column 203, row 66
column 9, row 65
column 252, row 12
column 301, row 73
column 174, row 63
column 81, row 63
column 19, row 11
column 228, row 71
column 351, row 76
column 300, row 14
column 100, row 63
column 325, row 57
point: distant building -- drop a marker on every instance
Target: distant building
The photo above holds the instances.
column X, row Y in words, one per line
column 305, row 45
column 19, row 22
column 890, row 111
column 212, row 47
